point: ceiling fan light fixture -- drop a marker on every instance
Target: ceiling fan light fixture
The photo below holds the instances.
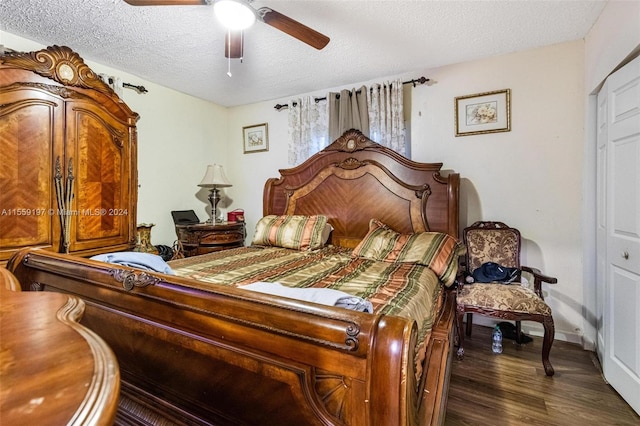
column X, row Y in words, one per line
column 234, row 14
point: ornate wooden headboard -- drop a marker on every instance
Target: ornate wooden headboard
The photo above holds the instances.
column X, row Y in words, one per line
column 355, row 179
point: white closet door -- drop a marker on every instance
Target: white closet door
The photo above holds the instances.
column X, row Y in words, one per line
column 621, row 363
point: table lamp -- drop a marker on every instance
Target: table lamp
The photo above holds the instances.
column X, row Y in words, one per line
column 213, row 179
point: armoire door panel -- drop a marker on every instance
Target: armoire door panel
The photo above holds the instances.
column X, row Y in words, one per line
column 99, row 148
column 31, row 137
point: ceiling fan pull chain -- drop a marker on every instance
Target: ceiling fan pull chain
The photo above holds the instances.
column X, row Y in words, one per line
column 229, row 50
column 241, row 46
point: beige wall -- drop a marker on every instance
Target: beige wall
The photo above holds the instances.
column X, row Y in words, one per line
column 613, row 38
column 529, row 177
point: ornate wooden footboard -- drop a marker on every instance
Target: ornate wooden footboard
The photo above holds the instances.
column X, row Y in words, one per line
column 224, row 357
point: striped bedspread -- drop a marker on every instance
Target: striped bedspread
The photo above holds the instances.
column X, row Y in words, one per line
column 402, row 289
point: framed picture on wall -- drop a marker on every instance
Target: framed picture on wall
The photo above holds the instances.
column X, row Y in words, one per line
column 487, row 112
column 256, row 138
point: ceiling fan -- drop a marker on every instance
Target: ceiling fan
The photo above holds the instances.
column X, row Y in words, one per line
column 238, row 15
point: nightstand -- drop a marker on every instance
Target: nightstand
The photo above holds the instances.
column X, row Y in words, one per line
column 204, row 238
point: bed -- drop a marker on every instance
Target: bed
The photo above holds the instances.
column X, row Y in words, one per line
column 193, row 349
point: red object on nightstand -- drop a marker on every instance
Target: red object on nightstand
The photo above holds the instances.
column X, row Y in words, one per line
column 236, row 215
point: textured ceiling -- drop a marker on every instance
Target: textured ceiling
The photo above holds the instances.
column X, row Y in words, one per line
column 182, row 47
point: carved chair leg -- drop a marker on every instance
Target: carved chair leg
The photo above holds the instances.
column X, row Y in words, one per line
column 459, row 327
column 549, row 335
column 469, row 323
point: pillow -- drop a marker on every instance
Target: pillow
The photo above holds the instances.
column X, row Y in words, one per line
column 435, row 250
column 293, row 231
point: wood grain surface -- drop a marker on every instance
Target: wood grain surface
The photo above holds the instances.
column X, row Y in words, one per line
column 512, row 389
column 53, row 370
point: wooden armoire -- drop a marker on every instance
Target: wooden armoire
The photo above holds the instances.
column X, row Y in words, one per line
column 68, row 178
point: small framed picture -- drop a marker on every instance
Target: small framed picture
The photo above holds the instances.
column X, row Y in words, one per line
column 256, row 138
column 488, row 112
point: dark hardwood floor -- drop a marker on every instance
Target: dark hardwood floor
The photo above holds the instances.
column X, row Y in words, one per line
column 512, row 389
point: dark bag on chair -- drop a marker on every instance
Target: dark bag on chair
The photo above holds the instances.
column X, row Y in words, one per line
column 492, row 272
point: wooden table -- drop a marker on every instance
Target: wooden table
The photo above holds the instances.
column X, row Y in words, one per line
column 52, row 369
column 204, row 238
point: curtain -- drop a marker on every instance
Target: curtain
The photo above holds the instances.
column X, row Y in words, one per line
column 348, row 110
column 386, row 116
column 308, row 128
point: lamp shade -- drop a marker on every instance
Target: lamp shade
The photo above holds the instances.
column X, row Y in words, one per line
column 214, row 178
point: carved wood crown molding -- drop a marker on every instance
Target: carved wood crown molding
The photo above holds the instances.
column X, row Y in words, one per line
column 352, row 164
column 350, row 141
column 61, row 91
column 60, row 64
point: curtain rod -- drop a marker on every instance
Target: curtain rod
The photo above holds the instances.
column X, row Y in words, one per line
column 414, row 82
column 139, row 89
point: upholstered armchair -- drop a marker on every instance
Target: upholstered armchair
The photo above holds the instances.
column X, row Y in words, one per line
column 496, row 242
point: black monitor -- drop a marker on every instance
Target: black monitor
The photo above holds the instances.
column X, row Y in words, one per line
column 184, row 217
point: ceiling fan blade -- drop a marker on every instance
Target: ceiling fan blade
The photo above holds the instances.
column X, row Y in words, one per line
column 293, row 28
column 168, row 2
column 233, row 44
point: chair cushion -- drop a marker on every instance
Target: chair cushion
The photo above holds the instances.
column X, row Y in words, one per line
column 503, row 297
column 492, row 245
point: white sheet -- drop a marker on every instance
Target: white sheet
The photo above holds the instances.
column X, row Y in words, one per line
column 323, row 296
